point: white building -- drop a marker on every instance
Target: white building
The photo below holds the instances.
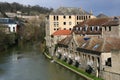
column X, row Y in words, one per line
column 10, row 23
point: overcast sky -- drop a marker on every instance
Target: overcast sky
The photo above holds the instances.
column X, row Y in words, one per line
column 108, row 7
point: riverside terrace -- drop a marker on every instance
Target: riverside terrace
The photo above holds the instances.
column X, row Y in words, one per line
column 85, row 54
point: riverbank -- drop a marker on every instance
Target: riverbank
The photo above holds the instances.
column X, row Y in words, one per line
column 73, row 69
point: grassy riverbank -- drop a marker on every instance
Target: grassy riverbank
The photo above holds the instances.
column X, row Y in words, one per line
column 78, row 71
column 74, row 69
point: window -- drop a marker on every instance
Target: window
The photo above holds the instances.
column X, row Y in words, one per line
column 105, row 28
column 64, row 28
column 54, row 29
column 13, row 29
column 57, row 17
column 89, row 17
column 69, row 17
column 56, row 24
column 109, row 28
column 80, row 28
column 96, row 28
column 70, row 29
column 85, row 28
column 64, row 17
column 70, row 23
column 54, row 18
column 64, row 23
column 77, row 17
column 76, row 28
column 92, row 28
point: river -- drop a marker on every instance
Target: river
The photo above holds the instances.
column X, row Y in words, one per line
column 28, row 63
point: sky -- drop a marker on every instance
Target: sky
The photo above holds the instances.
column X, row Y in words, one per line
column 107, row 7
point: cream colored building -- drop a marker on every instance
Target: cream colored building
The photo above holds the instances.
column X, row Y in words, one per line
column 64, row 18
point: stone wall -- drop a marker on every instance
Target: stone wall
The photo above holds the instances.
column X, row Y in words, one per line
column 110, row 76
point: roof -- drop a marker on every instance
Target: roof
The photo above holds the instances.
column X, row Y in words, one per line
column 6, row 21
column 69, row 11
column 65, row 41
column 97, row 24
column 62, row 32
column 94, row 43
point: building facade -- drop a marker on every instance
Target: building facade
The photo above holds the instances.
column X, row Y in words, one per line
column 94, row 47
column 64, row 18
column 10, row 23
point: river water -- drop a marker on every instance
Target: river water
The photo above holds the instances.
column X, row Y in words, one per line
column 29, row 63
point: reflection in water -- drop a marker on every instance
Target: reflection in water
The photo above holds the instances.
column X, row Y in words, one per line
column 30, row 64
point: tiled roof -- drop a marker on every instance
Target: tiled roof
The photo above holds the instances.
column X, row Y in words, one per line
column 96, row 22
column 62, row 32
column 111, row 43
column 65, row 41
column 69, row 11
column 99, row 22
column 95, row 44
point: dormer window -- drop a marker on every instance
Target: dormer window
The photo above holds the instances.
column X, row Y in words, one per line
column 85, row 28
column 92, row 28
column 76, row 28
column 80, row 28
column 98, row 27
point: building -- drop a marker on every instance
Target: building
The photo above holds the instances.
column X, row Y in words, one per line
column 64, row 18
column 94, row 47
column 93, row 55
column 99, row 27
column 56, row 37
column 10, row 23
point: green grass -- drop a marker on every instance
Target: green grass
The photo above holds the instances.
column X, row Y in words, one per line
column 80, row 71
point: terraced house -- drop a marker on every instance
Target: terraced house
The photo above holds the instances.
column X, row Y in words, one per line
column 64, row 18
column 94, row 46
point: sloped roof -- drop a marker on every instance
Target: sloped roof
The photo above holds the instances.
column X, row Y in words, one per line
column 62, row 32
column 69, row 11
column 65, row 41
column 101, row 44
column 95, row 44
column 94, row 22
